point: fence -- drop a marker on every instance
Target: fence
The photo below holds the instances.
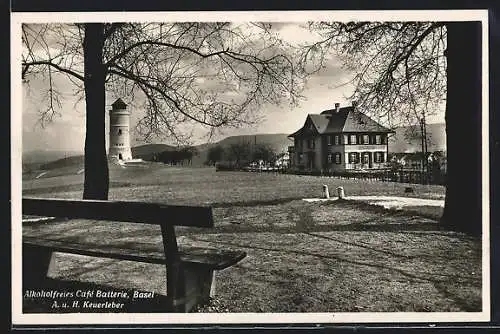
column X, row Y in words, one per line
column 402, row 176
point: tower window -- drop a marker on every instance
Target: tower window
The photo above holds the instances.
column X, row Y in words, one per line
column 119, row 132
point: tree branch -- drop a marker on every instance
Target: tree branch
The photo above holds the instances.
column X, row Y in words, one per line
column 49, row 63
column 130, row 76
column 113, row 60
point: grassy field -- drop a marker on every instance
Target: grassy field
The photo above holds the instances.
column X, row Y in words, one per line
column 206, row 186
column 337, row 256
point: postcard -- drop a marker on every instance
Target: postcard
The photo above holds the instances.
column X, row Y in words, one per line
column 299, row 167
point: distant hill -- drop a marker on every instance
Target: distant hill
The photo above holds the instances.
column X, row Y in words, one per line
column 44, row 156
column 146, row 151
column 63, row 159
column 278, row 141
column 406, row 139
column 64, row 162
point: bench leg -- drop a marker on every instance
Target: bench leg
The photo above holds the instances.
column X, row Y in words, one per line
column 36, row 265
column 198, row 286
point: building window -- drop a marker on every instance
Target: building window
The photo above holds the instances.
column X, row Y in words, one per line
column 337, row 140
column 353, row 140
column 366, row 158
column 329, row 139
column 346, row 137
column 366, row 139
column 119, row 132
column 353, row 158
column 330, row 158
column 379, row 157
column 378, row 139
column 337, row 158
column 301, row 158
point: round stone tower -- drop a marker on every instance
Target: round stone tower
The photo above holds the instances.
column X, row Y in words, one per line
column 119, row 137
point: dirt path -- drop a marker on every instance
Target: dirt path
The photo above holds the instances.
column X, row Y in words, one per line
column 388, row 202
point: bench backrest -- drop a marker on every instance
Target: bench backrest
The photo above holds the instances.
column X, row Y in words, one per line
column 124, row 211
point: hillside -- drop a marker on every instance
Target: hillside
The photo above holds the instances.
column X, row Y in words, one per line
column 278, row 141
column 44, row 156
column 146, row 151
column 64, row 162
column 407, row 139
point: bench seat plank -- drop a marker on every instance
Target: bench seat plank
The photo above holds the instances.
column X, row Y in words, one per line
column 214, row 259
column 123, row 211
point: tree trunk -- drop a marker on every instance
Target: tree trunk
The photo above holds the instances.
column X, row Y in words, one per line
column 96, row 183
column 462, row 209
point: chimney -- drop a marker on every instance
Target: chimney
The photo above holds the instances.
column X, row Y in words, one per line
column 337, row 107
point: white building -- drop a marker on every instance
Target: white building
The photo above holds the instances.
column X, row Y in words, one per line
column 119, row 135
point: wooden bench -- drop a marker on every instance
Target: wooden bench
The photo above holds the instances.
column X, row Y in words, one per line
column 190, row 273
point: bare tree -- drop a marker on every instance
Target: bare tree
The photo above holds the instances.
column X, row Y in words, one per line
column 214, row 155
column 238, row 153
column 403, row 72
column 214, row 74
column 399, row 67
column 263, row 152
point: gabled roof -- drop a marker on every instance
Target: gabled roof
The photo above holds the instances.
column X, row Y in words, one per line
column 119, row 104
column 358, row 122
column 319, row 121
column 310, row 126
column 345, row 120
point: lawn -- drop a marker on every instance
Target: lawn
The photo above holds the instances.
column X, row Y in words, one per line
column 206, row 186
column 339, row 256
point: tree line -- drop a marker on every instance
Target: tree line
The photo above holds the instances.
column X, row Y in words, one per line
column 240, row 154
column 182, row 156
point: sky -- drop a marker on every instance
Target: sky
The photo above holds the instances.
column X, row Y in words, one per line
column 66, row 131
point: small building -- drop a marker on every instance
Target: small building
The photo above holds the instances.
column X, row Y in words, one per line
column 340, row 139
column 283, row 161
column 413, row 161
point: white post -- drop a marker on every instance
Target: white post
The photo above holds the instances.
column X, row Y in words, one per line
column 326, row 194
column 340, row 192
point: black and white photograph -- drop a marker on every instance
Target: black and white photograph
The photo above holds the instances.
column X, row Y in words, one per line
column 229, row 167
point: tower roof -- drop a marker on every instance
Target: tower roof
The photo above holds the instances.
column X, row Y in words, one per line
column 119, row 104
